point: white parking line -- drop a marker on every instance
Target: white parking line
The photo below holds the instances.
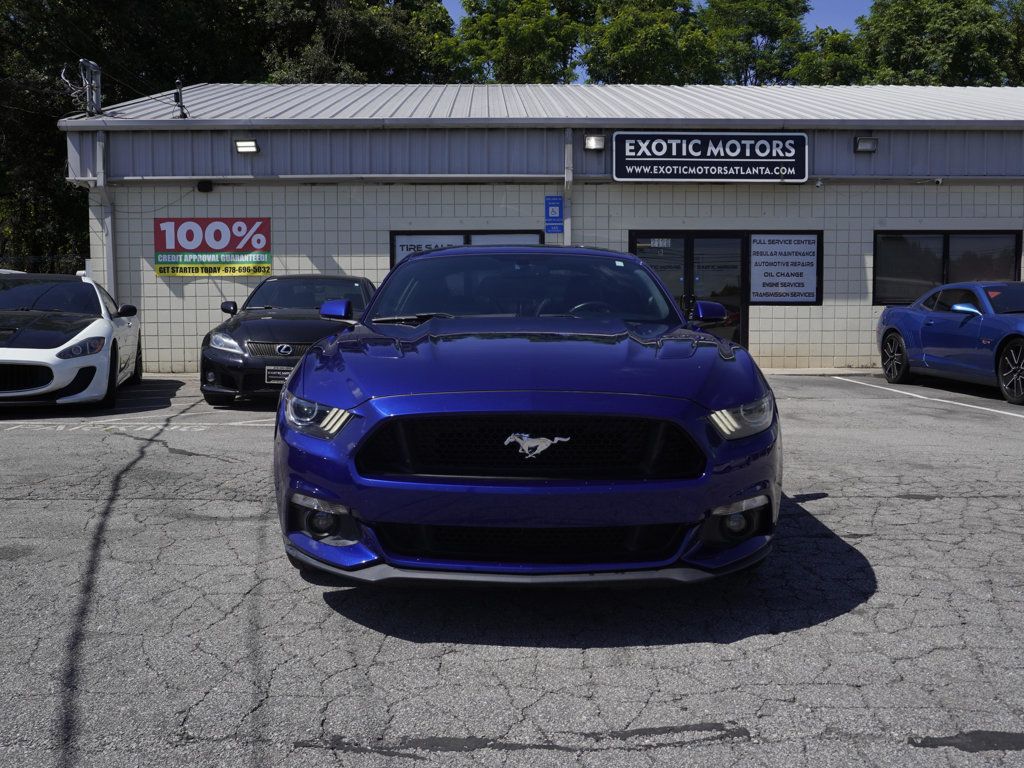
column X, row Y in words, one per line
column 933, row 399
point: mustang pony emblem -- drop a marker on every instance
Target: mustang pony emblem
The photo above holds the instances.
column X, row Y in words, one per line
column 531, row 446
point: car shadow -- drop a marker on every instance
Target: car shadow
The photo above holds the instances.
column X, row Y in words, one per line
column 812, row 576
column 153, row 394
column 951, row 386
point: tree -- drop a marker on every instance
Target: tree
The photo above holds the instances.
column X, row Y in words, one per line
column 935, row 42
column 831, row 57
column 648, row 41
column 756, row 42
column 524, row 41
column 1012, row 12
column 332, row 41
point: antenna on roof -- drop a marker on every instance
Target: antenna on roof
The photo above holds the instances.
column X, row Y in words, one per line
column 179, row 99
column 92, row 82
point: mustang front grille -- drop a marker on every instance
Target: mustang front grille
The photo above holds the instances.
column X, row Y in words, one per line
column 276, row 348
column 533, row 445
column 15, row 376
column 616, row 544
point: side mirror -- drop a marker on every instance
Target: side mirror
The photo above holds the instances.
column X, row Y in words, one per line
column 127, row 310
column 336, row 309
column 229, row 308
column 965, row 309
column 706, row 312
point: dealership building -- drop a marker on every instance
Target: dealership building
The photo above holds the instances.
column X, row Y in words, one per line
column 803, row 209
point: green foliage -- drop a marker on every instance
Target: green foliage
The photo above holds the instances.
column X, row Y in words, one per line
column 523, row 41
column 935, row 42
column 648, row 41
column 756, row 42
column 1012, row 12
column 830, row 57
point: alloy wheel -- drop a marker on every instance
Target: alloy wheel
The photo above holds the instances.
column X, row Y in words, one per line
column 892, row 358
column 1011, row 371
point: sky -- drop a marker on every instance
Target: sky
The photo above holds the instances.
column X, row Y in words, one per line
column 841, row 14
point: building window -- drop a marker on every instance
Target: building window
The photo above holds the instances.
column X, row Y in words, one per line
column 908, row 264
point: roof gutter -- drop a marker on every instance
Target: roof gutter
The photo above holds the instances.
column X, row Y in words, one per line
column 663, row 123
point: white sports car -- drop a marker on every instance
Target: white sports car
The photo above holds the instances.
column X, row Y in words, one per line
column 63, row 339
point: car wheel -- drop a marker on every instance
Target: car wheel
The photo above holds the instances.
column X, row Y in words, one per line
column 1011, row 372
column 136, row 377
column 215, row 398
column 894, row 359
column 110, row 396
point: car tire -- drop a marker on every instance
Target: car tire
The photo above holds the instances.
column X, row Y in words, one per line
column 218, row 399
column 1010, row 369
column 109, row 398
column 895, row 366
column 136, row 377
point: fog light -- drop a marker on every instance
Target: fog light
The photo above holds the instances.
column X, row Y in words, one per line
column 321, row 522
column 211, row 377
column 736, row 523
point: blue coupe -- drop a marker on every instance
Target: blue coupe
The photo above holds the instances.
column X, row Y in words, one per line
column 967, row 331
column 536, row 415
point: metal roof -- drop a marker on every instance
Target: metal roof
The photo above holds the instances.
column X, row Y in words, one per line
column 339, row 105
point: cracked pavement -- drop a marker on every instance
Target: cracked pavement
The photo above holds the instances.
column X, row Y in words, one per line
column 150, row 617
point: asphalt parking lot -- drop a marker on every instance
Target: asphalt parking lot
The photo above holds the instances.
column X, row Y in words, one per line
column 150, row 617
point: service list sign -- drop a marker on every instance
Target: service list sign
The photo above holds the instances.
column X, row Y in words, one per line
column 206, row 247
column 784, row 269
column 702, row 156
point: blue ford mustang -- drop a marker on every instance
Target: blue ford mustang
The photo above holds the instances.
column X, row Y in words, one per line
column 526, row 415
column 966, row 331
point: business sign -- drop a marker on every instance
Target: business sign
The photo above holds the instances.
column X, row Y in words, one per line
column 204, row 247
column 702, row 156
column 785, row 269
column 407, row 245
column 554, row 214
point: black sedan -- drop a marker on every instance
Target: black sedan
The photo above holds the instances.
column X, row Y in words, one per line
column 253, row 352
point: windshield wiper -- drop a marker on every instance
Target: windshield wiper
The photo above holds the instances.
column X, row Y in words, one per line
column 420, row 317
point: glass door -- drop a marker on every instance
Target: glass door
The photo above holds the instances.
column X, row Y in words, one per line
column 717, row 266
column 700, row 266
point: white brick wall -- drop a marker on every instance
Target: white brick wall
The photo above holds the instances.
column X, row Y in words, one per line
column 335, row 228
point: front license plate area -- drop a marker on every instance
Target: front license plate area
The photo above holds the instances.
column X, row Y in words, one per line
column 276, row 374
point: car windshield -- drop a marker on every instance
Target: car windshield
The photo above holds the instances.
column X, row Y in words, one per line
column 1006, row 299
column 308, row 293
column 45, row 295
column 523, row 285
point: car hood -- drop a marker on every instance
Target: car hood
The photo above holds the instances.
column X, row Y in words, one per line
column 40, row 330
column 459, row 355
column 283, row 325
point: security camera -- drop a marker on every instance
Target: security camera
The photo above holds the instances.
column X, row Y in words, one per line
column 938, row 182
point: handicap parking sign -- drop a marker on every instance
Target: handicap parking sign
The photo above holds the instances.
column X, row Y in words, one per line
column 553, row 214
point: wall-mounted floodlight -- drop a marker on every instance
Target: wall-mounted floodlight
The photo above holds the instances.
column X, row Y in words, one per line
column 594, row 141
column 865, row 144
column 246, row 146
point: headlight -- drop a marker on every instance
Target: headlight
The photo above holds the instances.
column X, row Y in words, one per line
column 746, row 420
column 314, row 419
column 83, row 348
column 225, row 342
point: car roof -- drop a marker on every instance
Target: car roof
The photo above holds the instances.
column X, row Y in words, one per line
column 40, row 275
column 317, row 276
column 520, row 250
column 974, row 284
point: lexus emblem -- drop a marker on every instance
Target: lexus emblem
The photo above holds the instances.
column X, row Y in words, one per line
column 284, row 350
column 532, row 446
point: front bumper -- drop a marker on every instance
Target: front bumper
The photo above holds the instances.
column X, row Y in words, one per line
column 235, row 374
column 79, row 380
column 736, row 470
